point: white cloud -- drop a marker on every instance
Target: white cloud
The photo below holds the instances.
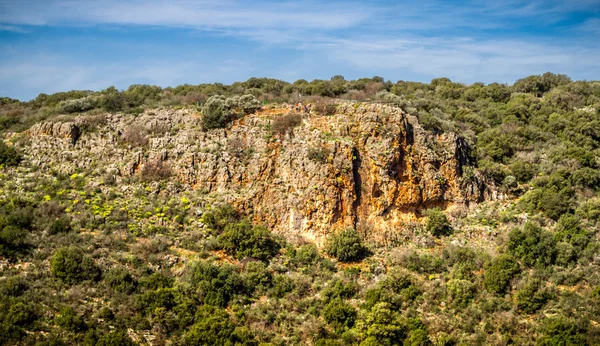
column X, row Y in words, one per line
column 185, row 13
column 462, row 59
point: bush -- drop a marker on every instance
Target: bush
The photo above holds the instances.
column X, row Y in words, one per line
column 285, row 123
column 78, row 105
column 461, row 292
column 438, row 224
column 533, row 245
column 339, row 314
column 423, row 263
column 70, row 321
column 218, row 217
column 60, row 225
column 242, row 240
column 319, row 154
column 216, row 113
column 257, row 276
column 121, row 280
column 396, row 290
column 9, row 156
column 72, row 266
column 13, row 242
column 500, row 272
column 216, row 285
column 116, row 338
column 562, row 331
column 346, row 246
column 532, row 297
column 112, row 100
column 214, row 327
column 307, row 254
column 219, row 111
column 523, row 171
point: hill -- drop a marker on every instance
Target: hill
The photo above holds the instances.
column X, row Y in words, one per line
column 371, row 213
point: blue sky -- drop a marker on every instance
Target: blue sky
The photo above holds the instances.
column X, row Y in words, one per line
column 59, row 45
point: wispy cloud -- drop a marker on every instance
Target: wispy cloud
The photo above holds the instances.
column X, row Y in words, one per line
column 185, row 13
column 230, row 40
column 13, row 28
column 591, row 25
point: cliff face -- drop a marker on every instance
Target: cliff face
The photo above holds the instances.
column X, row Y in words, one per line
column 369, row 166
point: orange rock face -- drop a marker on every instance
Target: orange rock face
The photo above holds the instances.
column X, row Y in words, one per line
column 371, row 167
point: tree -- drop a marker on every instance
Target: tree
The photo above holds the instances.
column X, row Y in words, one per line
column 216, row 285
column 243, row 240
column 438, row 224
column 532, row 245
column 532, row 297
column 500, row 272
column 9, row 156
column 562, row 331
column 346, row 246
column 116, row 338
column 112, row 99
column 214, row 327
column 72, row 265
column 339, row 314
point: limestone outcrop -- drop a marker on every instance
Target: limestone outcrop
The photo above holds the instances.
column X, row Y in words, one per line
column 369, row 166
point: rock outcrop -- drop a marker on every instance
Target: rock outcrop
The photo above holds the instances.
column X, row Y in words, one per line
column 370, row 166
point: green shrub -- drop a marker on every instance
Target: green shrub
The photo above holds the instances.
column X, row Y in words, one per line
column 532, row 297
column 533, row 245
column 243, row 240
column 307, row 254
column 438, row 224
column 216, row 285
column 282, row 285
column 340, row 290
column 72, row 265
column 70, row 321
column 219, row 111
column 9, row 156
column 523, row 171
column 60, row 225
column 78, row 105
column 339, row 314
column 218, row 217
column 397, row 290
column 461, row 292
column 319, row 154
column 346, row 246
column 257, row 276
column 121, row 280
column 500, row 272
column 150, row 301
column 383, row 326
column 214, row 327
column 116, row 338
column 112, row 100
column 13, row 242
column 21, row 314
column 562, row 331
column 423, row 263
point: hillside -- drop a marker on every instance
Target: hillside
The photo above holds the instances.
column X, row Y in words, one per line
column 380, row 214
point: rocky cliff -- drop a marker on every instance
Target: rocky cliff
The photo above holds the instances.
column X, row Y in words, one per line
column 368, row 166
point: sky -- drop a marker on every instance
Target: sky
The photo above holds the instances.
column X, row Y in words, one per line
column 48, row 46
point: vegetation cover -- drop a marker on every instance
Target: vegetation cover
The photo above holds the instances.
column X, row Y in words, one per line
column 84, row 261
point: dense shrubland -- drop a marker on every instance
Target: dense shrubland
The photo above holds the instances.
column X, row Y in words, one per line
column 90, row 264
